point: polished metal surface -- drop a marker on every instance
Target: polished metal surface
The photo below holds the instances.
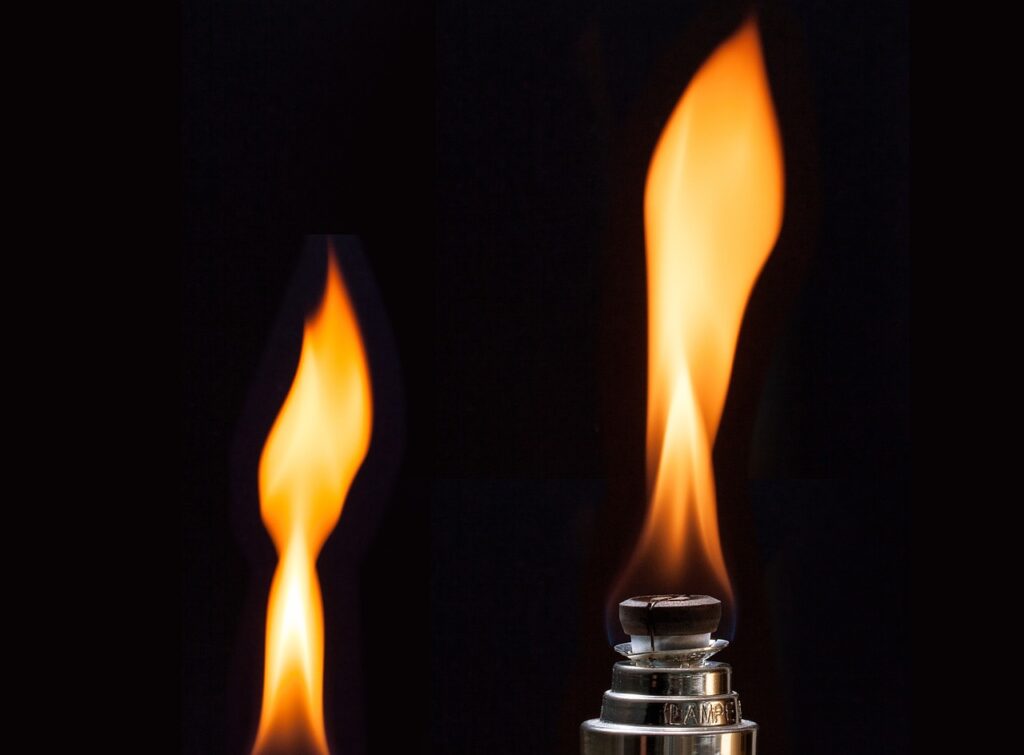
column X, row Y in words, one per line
column 710, row 679
column 661, row 704
column 668, row 698
column 649, row 710
column 599, row 738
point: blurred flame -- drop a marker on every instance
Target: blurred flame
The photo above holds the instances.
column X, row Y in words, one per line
column 712, row 213
column 312, row 453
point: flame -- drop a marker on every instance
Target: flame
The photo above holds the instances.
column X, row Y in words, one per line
column 712, row 212
column 312, row 453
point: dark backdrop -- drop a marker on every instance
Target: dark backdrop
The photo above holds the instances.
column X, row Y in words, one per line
column 492, row 161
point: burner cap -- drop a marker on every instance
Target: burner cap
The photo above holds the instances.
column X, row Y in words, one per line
column 665, row 615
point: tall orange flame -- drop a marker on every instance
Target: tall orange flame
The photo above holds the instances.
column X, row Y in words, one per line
column 712, row 212
column 314, row 449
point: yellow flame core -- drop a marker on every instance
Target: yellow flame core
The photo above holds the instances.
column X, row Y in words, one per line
column 712, row 212
column 312, row 453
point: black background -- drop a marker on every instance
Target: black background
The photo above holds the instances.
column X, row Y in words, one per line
column 492, row 162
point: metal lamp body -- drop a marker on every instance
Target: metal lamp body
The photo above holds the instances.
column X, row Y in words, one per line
column 670, row 710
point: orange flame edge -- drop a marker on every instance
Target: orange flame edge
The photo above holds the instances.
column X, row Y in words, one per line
column 312, row 453
column 713, row 207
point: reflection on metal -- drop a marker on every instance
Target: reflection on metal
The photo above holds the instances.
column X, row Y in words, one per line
column 669, row 702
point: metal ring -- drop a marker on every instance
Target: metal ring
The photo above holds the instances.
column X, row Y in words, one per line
column 710, row 679
column 679, row 711
column 688, row 657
